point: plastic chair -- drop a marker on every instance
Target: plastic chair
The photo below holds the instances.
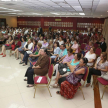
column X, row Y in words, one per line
column 44, row 80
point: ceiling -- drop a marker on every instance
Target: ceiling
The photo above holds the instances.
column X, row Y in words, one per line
column 55, row 8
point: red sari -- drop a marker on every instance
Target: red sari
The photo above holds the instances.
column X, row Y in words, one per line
column 68, row 90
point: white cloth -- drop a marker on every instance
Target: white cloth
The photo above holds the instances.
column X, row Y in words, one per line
column 40, row 41
column 29, row 46
column 61, row 42
column 90, row 57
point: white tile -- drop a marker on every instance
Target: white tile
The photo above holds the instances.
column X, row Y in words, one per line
column 14, row 100
column 87, row 105
column 28, row 97
column 9, row 90
column 22, row 87
column 43, row 104
column 78, row 98
column 61, row 102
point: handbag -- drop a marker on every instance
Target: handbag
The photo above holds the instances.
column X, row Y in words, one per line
column 72, row 79
column 62, row 68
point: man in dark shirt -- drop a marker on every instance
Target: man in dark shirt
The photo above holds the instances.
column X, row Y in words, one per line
column 103, row 45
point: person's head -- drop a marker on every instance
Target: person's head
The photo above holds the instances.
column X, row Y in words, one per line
column 72, row 38
column 77, row 56
column 10, row 38
column 68, row 40
column 39, row 45
column 70, row 51
column 75, row 41
column 103, row 56
column 83, row 61
column 90, row 43
column 30, row 40
column 45, row 40
column 34, row 41
column 62, row 46
column 60, row 38
column 41, row 38
column 56, row 44
column 44, row 52
column 92, row 50
column 103, row 39
column 50, row 42
column 28, row 36
column 23, row 39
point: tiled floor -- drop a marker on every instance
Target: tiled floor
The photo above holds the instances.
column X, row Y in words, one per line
column 15, row 94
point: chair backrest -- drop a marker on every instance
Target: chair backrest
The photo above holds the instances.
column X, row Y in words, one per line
column 50, row 71
column 96, row 45
column 86, row 74
column 80, row 41
column 98, row 52
column 82, row 46
column 19, row 43
column 85, row 40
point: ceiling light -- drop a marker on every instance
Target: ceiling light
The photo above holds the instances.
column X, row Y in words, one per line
column 2, row 8
column 82, row 13
column 11, row 13
column 101, row 15
column 11, row 0
column 36, row 14
column 54, row 13
column 107, row 11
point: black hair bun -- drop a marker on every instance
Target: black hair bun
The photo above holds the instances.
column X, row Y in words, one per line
column 85, row 60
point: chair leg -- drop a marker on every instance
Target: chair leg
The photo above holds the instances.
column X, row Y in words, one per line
column 34, row 91
column 49, row 91
column 103, row 92
column 82, row 92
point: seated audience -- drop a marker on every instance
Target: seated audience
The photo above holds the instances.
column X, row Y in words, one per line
column 40, row 68
column 72, row 40
column 91, row 56
column 71, row 66
column 101, row 67
column 27, row 53
column 60, row 41
column 103, row 45
column 75, row 46
column 62, row 52
column 41, row 40
column 45, row 43
column 68, row 44
column 87, row 47
column 7, row 46
column 20, row 48
column 35, row 55
column 67, row 88
column 56, row 50
column 50, row 47
column 27, row 47
column 66, row 58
